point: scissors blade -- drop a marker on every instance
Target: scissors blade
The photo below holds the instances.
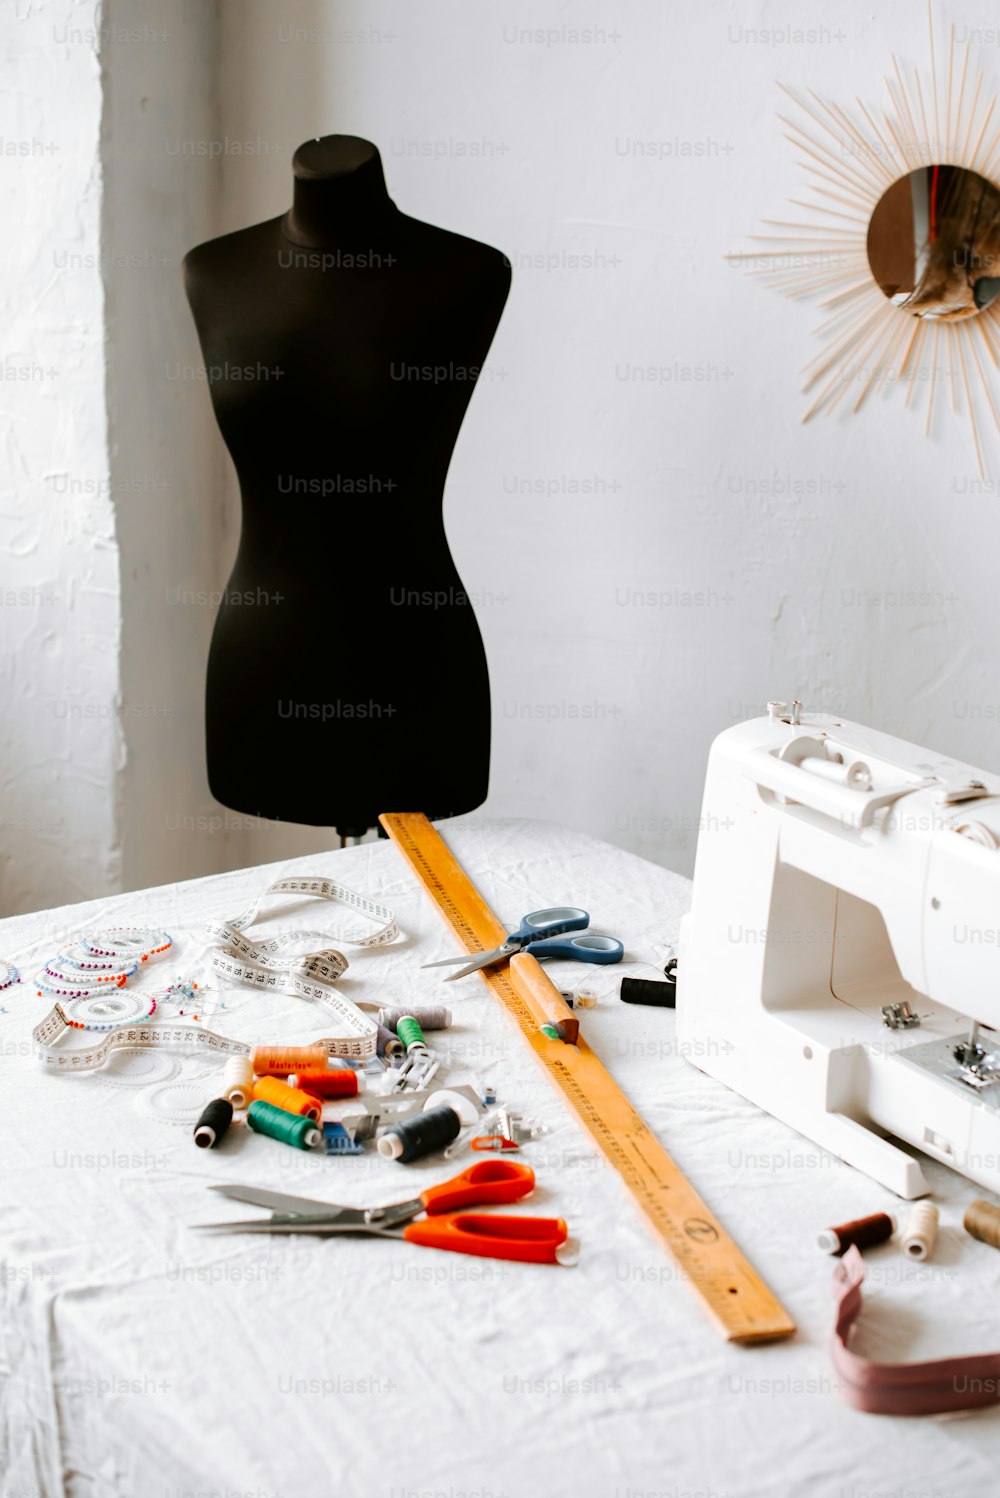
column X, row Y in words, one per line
column 302, row 1206
column 280, row 1225
column 486, row 959
column 446, row 962
column 480, row 958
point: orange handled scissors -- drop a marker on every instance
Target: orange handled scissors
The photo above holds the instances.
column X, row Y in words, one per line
column 531, row 1240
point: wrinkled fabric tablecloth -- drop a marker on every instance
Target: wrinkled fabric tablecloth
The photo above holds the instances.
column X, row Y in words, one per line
column 143, row 1360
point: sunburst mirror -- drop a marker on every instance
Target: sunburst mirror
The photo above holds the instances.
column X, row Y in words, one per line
column 901, row 242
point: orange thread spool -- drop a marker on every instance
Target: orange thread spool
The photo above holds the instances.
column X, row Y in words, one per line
column 339, row 1082
column 291, row 1099
column 279, row 1060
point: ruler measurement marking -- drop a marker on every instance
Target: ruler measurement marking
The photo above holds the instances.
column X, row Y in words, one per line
column 739, row 1303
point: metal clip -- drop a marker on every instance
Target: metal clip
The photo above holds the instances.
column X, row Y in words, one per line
column 415, row 1072
column 899, row 1016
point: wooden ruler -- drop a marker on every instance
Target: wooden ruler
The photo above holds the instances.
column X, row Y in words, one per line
column 737, row 1300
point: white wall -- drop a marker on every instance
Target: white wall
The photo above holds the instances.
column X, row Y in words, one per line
column 576, row 487
column 765, row 544
column 60, row 738
column 162, row 184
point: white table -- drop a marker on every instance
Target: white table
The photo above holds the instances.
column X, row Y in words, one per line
column 140, row 1358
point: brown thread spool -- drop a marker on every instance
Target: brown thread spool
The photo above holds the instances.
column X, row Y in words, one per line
column 982, row 1220
column 863, row 1232
column 291, row 1099
column 279, row 1060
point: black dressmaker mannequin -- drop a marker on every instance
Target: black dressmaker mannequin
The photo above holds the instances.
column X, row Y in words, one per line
column 342, row 341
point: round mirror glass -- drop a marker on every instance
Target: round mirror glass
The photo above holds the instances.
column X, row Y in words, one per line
column 934, row 242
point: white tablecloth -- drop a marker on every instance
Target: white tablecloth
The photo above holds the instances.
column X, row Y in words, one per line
column 140, row 1358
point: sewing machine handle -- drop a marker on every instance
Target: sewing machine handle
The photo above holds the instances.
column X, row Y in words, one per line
column 851, row 806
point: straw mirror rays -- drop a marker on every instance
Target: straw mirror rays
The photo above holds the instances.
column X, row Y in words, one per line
column 899, row 240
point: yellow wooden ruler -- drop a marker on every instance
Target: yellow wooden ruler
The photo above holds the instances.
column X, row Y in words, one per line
column 739, row 1303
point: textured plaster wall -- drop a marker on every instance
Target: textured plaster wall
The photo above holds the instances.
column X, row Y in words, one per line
column 655, row 543
column 61, row 741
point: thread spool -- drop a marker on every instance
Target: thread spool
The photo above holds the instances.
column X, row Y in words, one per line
column 334, row 1084
column 982, row 1220
column 290, row 1099
column 279, row 1060
column 423, row 1135
column 920, row 1232
column 387, row 1045
column 265, row 1118
column 863, row 1232
column 409, row 1032
column 428, row 1016
column 213, row 1123
column 237, row 1081
column 463, row 1106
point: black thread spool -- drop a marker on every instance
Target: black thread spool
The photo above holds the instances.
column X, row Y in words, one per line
column 416, row 1137
column 213, row 1123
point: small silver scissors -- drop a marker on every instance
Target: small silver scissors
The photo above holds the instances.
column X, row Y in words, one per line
column 535, row 935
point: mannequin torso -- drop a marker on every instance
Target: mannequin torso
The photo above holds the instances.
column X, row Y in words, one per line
column 342, row 344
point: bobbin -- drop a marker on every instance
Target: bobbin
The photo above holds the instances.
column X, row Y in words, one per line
column 419, row 1136
column 265, row 1118
column 330, row 1083
column 982, row 1221
column 410, row 1034
column 291, row 1099
column 428, row 1016
column 862, row 1232
column 279, row 1060
column 213, row 1123
column 237, row 1081
column 920, row 1232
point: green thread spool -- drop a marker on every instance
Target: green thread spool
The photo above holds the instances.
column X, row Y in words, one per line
column 288, row 1128
column 553, row 1032
column 409, row 1032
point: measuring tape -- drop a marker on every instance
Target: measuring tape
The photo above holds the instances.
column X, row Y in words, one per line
column 737, row 1300
column 145, row 1037
column 253, row 965
column 258, row 964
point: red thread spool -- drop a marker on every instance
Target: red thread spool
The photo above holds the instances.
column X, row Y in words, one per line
column 863, row 1232
column 279, row 1060
column 341, row 1082
column 291, row 1099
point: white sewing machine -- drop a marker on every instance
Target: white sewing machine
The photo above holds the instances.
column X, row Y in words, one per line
column 840, row 965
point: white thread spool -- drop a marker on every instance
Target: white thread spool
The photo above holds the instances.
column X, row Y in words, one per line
column 237, row 1081
column 920, row 1232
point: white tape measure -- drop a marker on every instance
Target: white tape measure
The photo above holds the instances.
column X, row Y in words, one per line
column 263, row 965
column 268, row 965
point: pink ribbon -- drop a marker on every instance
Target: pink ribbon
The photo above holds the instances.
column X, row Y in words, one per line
column 936, row 1388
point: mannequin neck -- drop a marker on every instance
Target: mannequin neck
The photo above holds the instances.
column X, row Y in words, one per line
column 340, row 194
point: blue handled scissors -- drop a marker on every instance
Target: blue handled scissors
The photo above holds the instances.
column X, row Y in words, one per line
column 537, row 934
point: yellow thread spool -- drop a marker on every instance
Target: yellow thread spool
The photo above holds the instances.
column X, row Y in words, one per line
column 237, row 1081
column 920, row 1232
column 982, row 1220
column 291, row 1099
